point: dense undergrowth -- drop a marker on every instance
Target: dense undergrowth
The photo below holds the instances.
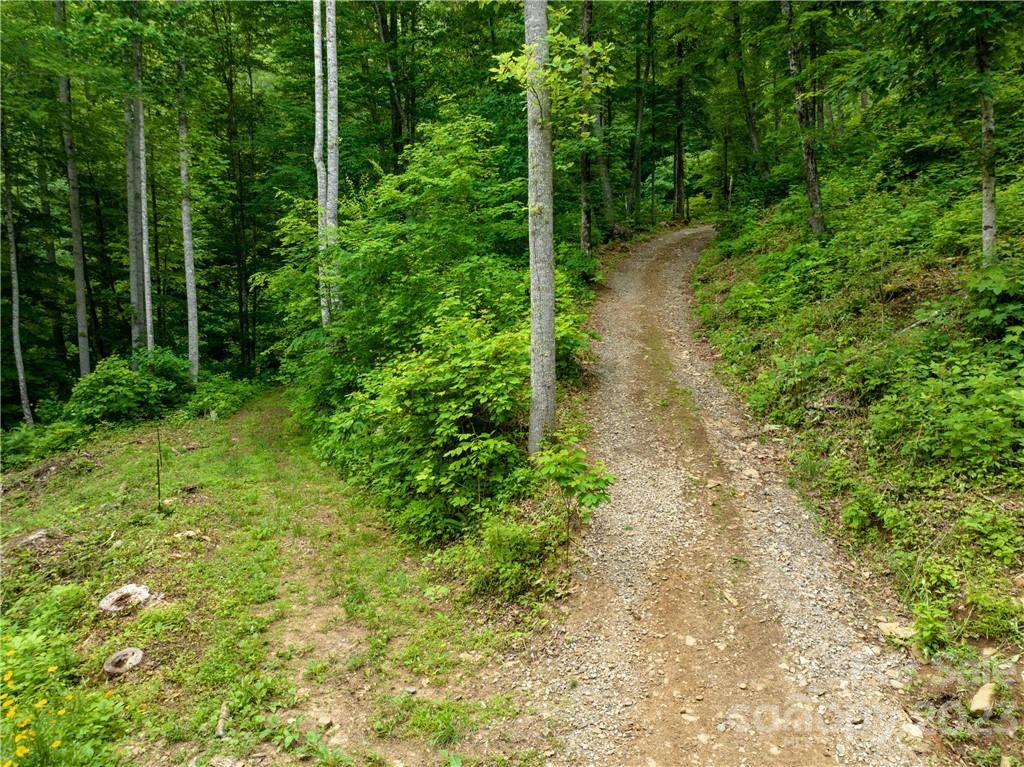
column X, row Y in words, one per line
column 418, row 390
column 898, row 361
column 152, row 384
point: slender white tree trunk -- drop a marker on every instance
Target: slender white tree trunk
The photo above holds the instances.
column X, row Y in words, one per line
column 140, row 127
column 132, row 188
column 75, row 211
column 19, row 363
column 186, row 227
column 541, row 229
column 332, row 125
column 318, row 160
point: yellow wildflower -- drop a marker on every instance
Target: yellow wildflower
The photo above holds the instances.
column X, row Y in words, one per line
column 68, row 696
column 8, row 675
column 12, row 712
column 41, row 702
column 20, row 737
column 8, row 702
column 8, row 763
column 9, row 653
column 51, row 669
column 24, row 722
column 55, row 743
column 109, row 693
column 62, row 712
column 21, row 750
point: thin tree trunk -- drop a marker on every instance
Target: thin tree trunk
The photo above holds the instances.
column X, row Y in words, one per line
column 388, row 33
column 161, row 323
column 140, row 128
column 988, row 154
column 19, row 363
column 318, row 162
column 586, row 245
column 57, row 329
column 654, row 117
column 678, row 150
column 75, row 211
column 805, row 117
column 741, row 85
column 138, row 324
column 541, row 230
column 611, row 223
column 332, row 137
column 188, row 254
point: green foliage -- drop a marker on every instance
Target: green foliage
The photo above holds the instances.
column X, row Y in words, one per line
column 435, row 433
column 218, row 396
column 47, row 719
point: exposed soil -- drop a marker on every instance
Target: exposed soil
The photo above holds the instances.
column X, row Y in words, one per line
column 711, row 623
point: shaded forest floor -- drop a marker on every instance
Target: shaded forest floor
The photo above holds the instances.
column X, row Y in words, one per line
column 708, row 621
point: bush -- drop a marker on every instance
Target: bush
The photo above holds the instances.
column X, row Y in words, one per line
column 436, row 433
column 219, row 396
column 116, row 393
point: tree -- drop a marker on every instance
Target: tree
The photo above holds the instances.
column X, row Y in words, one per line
column 741, row 85
column 586, row 19
column 332, row 123
column 143, row 214
column 680, row 206
column 74, row 209
column 318, row 161
column 541, row 228
column 805, row 118
column 188, row 255
column 12, row 244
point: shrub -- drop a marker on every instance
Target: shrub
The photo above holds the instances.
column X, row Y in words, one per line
column 436, row 432
column 219, row 396
column 168, row 372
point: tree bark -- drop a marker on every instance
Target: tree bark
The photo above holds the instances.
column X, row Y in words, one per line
column 19, row 363
column 805, row 118
column 988, row 153
column 191, row 305
column 586, row 244
column 611, row 222
column 158, row 281
column 678, row 150
column 75, row 210
column 541, row 229
column 140, row 133
column 333, row 175
column 318, row 162
column 138, row 323
column 387, row 30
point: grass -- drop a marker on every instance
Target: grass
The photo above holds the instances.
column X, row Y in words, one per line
column 262, row 560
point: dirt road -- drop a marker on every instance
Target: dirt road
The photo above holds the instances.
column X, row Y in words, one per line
column 710, row 624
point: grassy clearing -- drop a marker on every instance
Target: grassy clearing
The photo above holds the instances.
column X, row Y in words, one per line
column 280, row 593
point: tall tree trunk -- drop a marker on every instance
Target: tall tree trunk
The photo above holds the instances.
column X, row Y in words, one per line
column 191, row 305
column 586, row 245
column 983, row 53
column 636, row 175
column 19, row 363
column 332, row 135
column 138, row 314
column 57, row 328
column 541, row 229
column 741, row 85
column 678, row 150
column 611, row 223
column 654, row 116
column 805, row 117
column 158, row 280
column 75, row 211
column 387, row 30
column 140, row 128
column 318, row 162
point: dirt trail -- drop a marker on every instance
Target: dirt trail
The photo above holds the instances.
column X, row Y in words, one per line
column 710, row 624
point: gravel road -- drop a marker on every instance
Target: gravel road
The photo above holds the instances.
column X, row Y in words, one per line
column 711, row 624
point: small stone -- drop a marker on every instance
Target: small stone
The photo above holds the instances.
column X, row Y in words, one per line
column 913, row 730
column 122, row 661
column 690, row 641
column 124, row 598
column 751, row 473
column 857, row 720
column 897, row 630
column 410, row 690
column 988, row 652
column 984, row 700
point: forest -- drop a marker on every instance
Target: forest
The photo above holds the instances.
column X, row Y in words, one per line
column 400, row 360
